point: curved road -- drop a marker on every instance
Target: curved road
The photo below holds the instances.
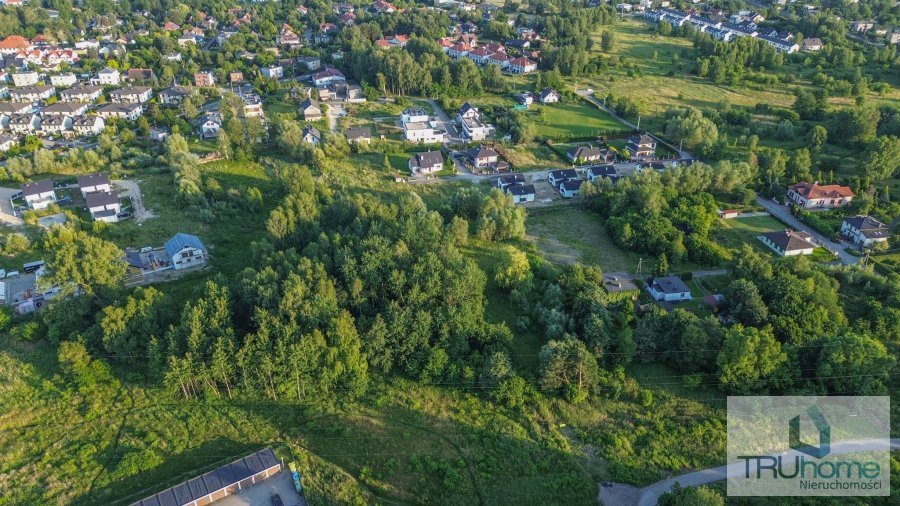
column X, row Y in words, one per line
column 784, row 214
column 649, row 495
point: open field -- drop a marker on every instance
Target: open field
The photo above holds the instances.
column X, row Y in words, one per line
column 572, row 120
column 738, row 231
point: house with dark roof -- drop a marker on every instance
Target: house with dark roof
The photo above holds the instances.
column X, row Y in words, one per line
column 521, row 193
column 185, row 251
column 359, row 135
column 174, row 95
column 39, row 194
column 312, row 135
column 554, row 177
column 813, row 196
column 548, row 96
column 426, row 163
column 788, row 242
column 310, row 110
column 483, row 156
column 581, row 154
column 668, row 288
column 510, row 180
column 864, row 231
column 641, row 146
column 570, row 187
column 103, row 206
column 227, row 480
column 602, row 171
column 90, row 183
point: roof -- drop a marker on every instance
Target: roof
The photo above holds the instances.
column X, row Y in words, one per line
column 131, row 90
column 868, row 226
column 37, row 187
column 483, row 152
column 63, row 108
column 817, row 191
column 670, row 284
column 571, row 184
column 428, row 159
column 95, row 179
column 641, row 139
column 114, row 107
column 603, row 171
column 521, row 189
column 181, row 241
column 511, row 179
column 789, row 240
column 311, row 130
column 14, row 42
column 306, row 104
column 362, row 132
column 466, row 107
column 99, row 199
column 79, row 89
column 583, row 152
column 176, row 90
column 212, row 481
column 564, row 173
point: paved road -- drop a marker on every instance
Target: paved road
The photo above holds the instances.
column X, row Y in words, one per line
column 784, row 214
column 7, row 214
column 650, row 494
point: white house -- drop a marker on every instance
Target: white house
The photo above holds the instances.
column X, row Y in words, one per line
column 64, row 109
column 103, row 206
column 26, row 78
column 56, row 125
column 129, row 112
column 312, row 135
column 328, row 76
column 109, row 77
column 414, row 115
column 426, row 163
column 812, row 196
column 418, row 131
column 24, row 123
column 272, row 72
column 85, row 94
column 91, row 183
column 88, row 125
column 131, row 95
column 570, row 188
column 668, row 288
column 39, row 194
column 210, row 126
column 788, row 242
column 864, row 230
column 31, row 94
column 8, row 142
column 185, row 251
column 548, row 96
column 63, row 80
column 484, row 157
column 174, row 95
column 521, row 193
column 555, row 177
column 522, row 66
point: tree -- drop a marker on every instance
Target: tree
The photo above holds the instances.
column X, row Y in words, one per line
column 745, row 304
column 607, row 40
column 80, row 261
column 691, row 496
column 750, row 360
column 855, row 125
column 799, row 165
column 855, row 364
column 224, row 145
column 662, row 266
column 568, row 367
column 500, row 219
column 16, row 243
column 690, row 127
column 126, row 328
column 816, row 138
column 882, row 158
column 513, row 270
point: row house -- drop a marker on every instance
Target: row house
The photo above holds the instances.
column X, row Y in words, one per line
column 29, row 78
column 56, row 125
column 174, row 95
column 126, row 111
column 522, row 66
column 32, row 94
column 24, row 124
column 131, row 95
column 8, row 142
column 87, row 126
column 13, row 44
column 109, row 77
column 79, row 93
column 63, row 80
column 64, row 109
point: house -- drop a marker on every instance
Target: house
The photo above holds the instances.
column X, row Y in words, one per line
column 131, row 95
column 312, row 135
column 521, row 193
column 581, row 154
column 548, row 96
column 129, row 112
column 467, row 111
column 422, row 131
column 426, row 163
column 78, row 93
column 39, row 194
column 88, row 125
column 252, row 105
column 13, row 44
column 8, row 142
column 103, row 206
column 204, row 79
column 185, row 251
column 864, row 231
column 812, row 196
column 641, row 146
column 4, row 90
column 141, row 75
column 272, row 72
column 525, row 98
column 218, row 483
column 310, row 110
column 555, row 177
column 788, row 242
column 11, row 108
column 109, row 77
column 210, row 126
column 522, row 65
column 90, row 183
column 602, row 171
column 483, row 156
column 413, row 114
column 56, row 125
column 63, row 80
column 862, row 26
column 64, row 109
column 158, row 134
column 236, row 77
column 668, row 288
column 813, row 44
column 570, row 187
column 474, row 130
column 24, row 123
column 328, row 76
column 359, row 135
column 31, row 94
column 728, row 214
column 309, row 62
column 500, row 59
column 174, row 95
column 26, row 78
column 510, row 180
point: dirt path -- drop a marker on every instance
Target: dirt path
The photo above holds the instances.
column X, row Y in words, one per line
column 133, row 191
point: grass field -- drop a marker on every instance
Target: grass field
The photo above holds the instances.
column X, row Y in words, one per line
column 737, row 231
column 567, row 120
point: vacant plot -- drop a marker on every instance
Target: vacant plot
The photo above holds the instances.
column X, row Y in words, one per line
column 573, row 120
column 738, row 231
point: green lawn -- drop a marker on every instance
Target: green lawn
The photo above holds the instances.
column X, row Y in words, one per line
column 567, row 120
column 735, row 232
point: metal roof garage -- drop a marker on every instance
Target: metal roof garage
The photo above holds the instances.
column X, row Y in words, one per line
column 216, row 484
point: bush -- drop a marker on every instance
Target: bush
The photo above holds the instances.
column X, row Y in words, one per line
column 16, row 243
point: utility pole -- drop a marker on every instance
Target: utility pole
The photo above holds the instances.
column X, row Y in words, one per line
column 639, row 123
column 640, row 263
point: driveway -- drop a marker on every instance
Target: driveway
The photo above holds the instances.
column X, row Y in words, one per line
column 133, row 191
column 335, row 111
column 7, row 215
column 261, row 493
column 783, row 213
column 441, row 116
column 623, row 495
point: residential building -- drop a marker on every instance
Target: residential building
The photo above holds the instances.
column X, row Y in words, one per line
column 602, row 171
column 25, row 78
column 79, row 93
column 309, row 62
column 64, row 109
column 236, row 77
column 31, row 94
column 582, row 154
column 103, row 206
column 548, row 96
column 109, row 77
column 88, row 125
column 788, row 242
column 359, row 135
column 816, row 196
column 426, row 163
column 131, row 95
column 13, row 44
column 8, row 142
column 510, row 180
column 310, row 110
column 174, row 95
column 484, row 156
column 668, row 288
column 39, row 194
column 414, row 114
column 328, row 76
column 425, row 132
column 864, row 231
column 91, row 183
column 24, row 124
column 272, row 72
column 521, row 193
column 63, row 80
column 474, row 130
column 210, row 126
column 555, row 177
column 204, row 79
column 128, row 112
column 11, row 108
column 522, row 66
column 56, row 125
column 158, row 134
column 185, row 251
column 312, row 135
column 252, row 105
column 812, row 44
column 570, row 187
column 143, row 76
column 641, row 146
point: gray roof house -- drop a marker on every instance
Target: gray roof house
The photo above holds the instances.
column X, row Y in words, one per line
column 668, row 288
